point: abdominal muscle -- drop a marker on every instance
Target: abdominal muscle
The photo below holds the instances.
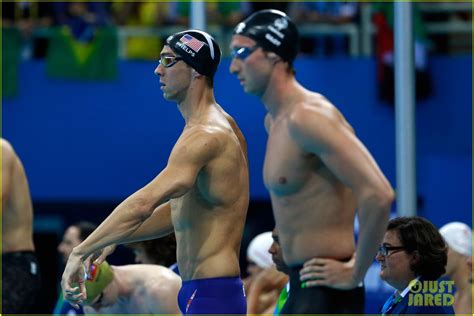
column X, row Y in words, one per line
column 208, row 239
column 315, row 224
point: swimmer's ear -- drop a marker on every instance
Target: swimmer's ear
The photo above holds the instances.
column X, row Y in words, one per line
column 195, row 74
column 273, row 57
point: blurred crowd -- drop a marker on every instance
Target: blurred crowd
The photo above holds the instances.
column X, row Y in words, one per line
column 82, row 18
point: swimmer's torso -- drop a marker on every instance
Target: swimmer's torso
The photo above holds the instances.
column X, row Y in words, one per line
column 313, row 210
column 209, row 219
column 17, row 209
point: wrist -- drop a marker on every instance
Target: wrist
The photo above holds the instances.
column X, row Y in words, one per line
column 78, row 253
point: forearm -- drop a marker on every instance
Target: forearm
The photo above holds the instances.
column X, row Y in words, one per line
column 373, row 219
column 159, row 224
column 116, row 228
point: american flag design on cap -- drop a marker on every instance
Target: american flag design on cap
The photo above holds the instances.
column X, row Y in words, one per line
column 191, row 42
column 92, row 272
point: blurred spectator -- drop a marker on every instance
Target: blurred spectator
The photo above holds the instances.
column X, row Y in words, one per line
column 469, row 265
column 161, row 251
column 270, row 288
column 226, row 14
column 258, row 257
column 84, row 46
column 27, row 16
column 336, row 13
column 412, row 251
column 458, row 236
column 72, row 237
column 277, row 5
column 223, row 14
column 142, row 14
column 82, row 18
column 383, row 18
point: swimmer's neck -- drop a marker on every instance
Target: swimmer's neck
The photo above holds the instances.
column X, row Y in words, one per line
column 281, row 94
column 196, row 103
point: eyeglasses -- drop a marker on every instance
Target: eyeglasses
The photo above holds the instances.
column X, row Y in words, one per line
column 243, row 52
column 384, row 250
column 168, row 61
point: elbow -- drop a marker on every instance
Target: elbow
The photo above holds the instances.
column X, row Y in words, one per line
column 386, row 198
column 380, row 199
column 141, row 207
column 180, row 187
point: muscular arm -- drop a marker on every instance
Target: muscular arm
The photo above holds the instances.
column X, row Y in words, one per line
column 157, row 225
column 343, row 153
column 7, row 163
column 140, row 215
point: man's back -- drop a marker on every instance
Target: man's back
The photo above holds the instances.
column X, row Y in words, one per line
column 140, row 289
column 17, row 210
column 209, row 218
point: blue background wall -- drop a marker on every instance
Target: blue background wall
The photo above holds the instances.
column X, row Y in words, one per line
column 102, row 141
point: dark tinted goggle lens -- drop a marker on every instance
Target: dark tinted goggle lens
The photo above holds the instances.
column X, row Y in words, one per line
column 242, row 52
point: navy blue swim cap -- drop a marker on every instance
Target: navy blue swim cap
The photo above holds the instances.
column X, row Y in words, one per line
column 198, row 49
column 274, row 31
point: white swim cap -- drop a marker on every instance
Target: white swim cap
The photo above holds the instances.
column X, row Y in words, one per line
column 458, row 236
column 257, row 250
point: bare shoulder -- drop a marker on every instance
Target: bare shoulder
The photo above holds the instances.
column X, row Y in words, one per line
column 316, row 113
column 8, row 153
column 311, row 115
column 7, row 148
column 316, row 122
column 201, row 138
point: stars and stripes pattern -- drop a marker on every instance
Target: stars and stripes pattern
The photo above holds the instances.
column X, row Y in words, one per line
column 191, row 42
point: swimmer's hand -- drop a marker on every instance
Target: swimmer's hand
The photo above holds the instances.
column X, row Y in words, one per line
column 72, row 283
column 100, row 256
column 329, row 272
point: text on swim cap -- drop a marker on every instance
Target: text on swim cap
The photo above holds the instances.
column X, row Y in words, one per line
column 277, row 33
column 185, row 48
column 272, row 39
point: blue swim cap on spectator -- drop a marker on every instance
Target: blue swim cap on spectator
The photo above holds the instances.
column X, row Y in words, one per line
column 274, row 31
column 197, row 49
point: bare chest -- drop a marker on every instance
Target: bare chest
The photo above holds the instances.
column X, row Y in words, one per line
column 287, row 167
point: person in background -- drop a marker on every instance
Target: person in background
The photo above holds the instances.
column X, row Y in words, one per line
column 266, row 281
column 324, row 12
column 21, row 281
column 161, row 251
column 131, row 289
column 412, row 251
column 458, row 237
column 72, row 237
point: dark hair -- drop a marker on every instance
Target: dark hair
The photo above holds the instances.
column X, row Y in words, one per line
column 161, row 251
column 85, row 229
column 420, row 235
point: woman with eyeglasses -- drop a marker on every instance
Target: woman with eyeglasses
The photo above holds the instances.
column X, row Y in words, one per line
column 412, row 256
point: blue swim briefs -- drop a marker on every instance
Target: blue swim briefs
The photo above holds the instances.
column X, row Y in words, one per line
column 224, row 295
